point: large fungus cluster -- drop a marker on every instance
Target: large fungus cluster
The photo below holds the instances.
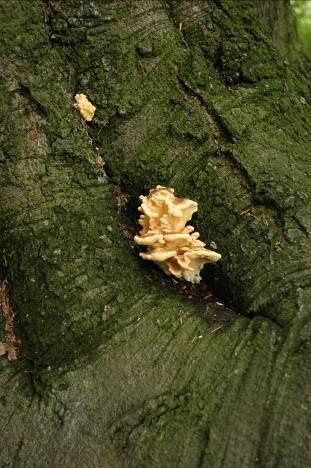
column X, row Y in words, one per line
column 174, row 246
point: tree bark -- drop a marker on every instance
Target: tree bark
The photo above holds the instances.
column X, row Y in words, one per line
column 279, row 18
column 119, row 367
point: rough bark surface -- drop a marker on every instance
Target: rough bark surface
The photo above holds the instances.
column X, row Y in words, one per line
column 279, row 18
column 117, row 367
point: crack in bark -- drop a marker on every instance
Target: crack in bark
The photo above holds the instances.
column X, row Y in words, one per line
column 222, row 131
column 201, row 456
column 25, row 91
column 122, row 431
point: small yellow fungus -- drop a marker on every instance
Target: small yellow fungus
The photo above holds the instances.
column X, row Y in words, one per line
column 170, row 243
column 85, row 107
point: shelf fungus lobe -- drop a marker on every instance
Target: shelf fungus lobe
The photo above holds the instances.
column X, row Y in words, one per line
column 85, row 107
column 171, row 244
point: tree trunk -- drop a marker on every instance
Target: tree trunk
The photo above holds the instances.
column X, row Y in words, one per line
column 118, row 366
column 279, row 18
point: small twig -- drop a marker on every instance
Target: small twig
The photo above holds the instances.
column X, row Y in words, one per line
column 216, row 329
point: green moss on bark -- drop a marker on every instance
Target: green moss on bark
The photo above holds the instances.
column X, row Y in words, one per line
column 191, row 95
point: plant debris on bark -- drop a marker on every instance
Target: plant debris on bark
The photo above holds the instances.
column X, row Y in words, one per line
column 11, row 343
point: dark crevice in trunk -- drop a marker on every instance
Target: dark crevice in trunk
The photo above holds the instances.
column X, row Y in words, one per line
column 25, row 91
column 224, row 131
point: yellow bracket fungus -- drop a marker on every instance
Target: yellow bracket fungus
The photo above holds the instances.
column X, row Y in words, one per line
column 85, row 107
column 169, row 242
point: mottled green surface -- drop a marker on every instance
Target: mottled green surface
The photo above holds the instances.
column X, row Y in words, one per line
column 191, row 94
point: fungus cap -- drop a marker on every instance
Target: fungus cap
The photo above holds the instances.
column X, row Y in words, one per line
column 85, row 107
column 169, row 242
column 163, row 212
